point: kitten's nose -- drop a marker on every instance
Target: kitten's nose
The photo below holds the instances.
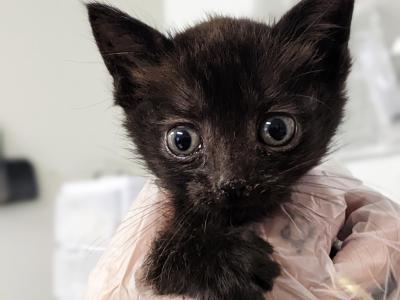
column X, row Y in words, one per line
column 233, row 190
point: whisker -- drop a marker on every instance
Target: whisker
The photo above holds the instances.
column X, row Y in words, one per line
column 322, row 186
column 299, row 76
column 333, row 176
column 313, row 160
column 181, row 222
column 145, row 210
column 134, row 238
column 131, row 220
column 313, row 99
column 176, row 232
column 117, row 53
column 139, row 210
column 290, row 217
column 135, row 221
column 311, row 195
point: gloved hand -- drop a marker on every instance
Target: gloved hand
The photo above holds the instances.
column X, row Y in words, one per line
column 329, row 208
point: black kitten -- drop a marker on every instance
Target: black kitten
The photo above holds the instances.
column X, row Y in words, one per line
column 227, row 115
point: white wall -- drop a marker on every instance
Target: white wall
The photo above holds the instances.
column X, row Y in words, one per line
column 55, row 109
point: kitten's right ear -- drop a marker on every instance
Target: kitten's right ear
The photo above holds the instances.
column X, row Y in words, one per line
column 125, row 44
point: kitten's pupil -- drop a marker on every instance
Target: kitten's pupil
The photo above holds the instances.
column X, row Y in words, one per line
column 183, row 140
column 276, row 129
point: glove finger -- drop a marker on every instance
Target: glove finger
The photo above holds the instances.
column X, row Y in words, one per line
column 370, row 255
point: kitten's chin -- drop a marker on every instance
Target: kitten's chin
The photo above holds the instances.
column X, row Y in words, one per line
column 228, row 210
column 242, row 213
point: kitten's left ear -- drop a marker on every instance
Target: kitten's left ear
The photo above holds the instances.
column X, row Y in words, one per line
column 321, row 25
column 125, row 44
column 313, row 19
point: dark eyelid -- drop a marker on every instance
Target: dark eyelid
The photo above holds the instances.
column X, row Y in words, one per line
column 279, row 105
column 284, row 108
column 172, row 122
column 287, row 110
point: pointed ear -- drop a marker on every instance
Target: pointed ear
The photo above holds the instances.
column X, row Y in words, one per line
column 125, row 44
column 318, row 19
column 322, row 26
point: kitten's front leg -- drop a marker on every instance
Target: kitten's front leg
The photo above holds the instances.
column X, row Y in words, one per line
column 234, row 264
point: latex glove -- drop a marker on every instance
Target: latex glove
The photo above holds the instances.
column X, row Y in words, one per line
column 327, row 203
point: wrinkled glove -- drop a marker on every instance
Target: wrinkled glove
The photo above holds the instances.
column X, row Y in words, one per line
column 335, row 239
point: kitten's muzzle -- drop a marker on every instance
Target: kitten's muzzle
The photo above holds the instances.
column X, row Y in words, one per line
column 234, row 191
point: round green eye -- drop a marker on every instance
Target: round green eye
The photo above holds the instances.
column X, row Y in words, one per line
column 183, row 141
column 278, row 130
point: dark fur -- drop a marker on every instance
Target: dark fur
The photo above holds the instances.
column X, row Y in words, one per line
column 223, row 76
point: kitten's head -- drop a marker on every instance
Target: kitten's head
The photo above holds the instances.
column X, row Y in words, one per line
column 230, row 113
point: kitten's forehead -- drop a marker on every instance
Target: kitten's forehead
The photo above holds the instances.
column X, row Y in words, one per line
column 222, row 36
column 220, row 59
column 227, row 66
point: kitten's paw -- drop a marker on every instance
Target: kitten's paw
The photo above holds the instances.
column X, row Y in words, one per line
column 234, row 265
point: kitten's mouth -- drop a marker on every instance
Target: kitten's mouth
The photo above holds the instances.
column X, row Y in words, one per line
column 234, row 205
column 245, row 197
column 247, row 209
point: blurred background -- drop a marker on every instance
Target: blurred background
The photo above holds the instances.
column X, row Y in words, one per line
column 56, row 114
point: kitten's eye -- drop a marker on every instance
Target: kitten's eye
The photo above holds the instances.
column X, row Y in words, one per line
column 278, row 130
column 183, row 141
